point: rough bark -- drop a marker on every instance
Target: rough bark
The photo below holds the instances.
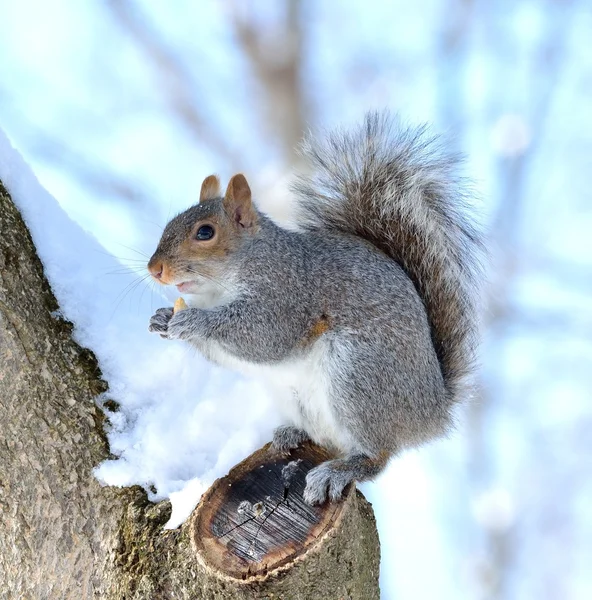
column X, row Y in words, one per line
column 64, row 536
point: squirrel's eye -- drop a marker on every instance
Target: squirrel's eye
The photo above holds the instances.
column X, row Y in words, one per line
column 205, row 232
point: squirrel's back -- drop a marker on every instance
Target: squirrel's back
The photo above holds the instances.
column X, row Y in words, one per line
column 398, row 189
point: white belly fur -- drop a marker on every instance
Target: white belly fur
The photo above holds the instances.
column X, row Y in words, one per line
column 301, row 388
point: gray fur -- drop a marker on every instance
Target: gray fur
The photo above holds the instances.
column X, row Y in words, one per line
column 393, row 369
column 331, row 478
column 399, row 188
column 287, row 437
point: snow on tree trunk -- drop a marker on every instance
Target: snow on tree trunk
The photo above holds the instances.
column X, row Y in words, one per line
column 64, row 536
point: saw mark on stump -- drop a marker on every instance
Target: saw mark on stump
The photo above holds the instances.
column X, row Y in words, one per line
column 268, row 487
column 255, row 519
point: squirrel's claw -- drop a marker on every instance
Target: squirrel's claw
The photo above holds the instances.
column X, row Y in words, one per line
column 287, row 437
column 171, row 325
column 326, row 479
column 159, row 321
column 332, row 477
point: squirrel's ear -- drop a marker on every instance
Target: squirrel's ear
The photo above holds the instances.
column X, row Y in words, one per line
column 210, row 188
column 237, row 202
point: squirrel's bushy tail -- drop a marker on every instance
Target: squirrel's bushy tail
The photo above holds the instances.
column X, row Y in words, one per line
column 397, row 188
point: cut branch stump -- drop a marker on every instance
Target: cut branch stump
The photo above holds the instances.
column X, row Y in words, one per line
column 253, row 531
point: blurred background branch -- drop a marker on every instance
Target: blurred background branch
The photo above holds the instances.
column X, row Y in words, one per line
column 172, row 80
column 275, row 58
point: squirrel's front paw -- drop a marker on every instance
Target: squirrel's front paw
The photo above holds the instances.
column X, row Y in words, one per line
column 183, row 324
column 159, row 321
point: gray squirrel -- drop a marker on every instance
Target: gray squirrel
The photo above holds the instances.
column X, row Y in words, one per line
column 364, row 321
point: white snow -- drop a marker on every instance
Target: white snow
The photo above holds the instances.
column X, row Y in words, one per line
column 183, row 422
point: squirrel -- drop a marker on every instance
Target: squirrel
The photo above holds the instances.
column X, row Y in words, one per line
column 363, row 320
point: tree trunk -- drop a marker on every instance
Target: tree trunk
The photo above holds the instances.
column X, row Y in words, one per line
column 64, row 536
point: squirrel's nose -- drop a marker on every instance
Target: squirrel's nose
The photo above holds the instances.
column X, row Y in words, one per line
column 155, row 269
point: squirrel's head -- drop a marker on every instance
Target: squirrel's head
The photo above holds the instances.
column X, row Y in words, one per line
column 197, row 246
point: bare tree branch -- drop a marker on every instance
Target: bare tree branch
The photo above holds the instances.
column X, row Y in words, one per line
column 276, row 62
column 175, row 79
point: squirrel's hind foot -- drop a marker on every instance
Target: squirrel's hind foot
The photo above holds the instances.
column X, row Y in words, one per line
column 287, row 437
column 332, row 477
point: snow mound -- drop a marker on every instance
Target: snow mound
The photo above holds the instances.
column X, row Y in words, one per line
column 182, row 422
